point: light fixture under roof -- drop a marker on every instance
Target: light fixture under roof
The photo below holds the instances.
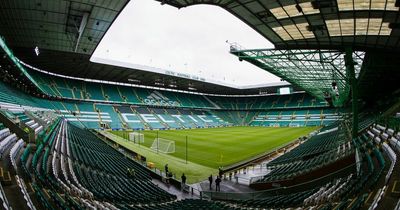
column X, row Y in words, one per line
column 37, row 52
column 134, row 80
column 159, row 83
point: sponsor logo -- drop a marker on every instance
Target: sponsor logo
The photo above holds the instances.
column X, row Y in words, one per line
column 157, row 98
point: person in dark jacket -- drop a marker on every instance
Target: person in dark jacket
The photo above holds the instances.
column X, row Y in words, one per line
column 217, row 183
column 183, row 181
column 183, row 178
column 210, row 179
column 166, row 169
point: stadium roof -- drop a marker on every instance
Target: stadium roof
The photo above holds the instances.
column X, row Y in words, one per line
column 313, row 70
column 69, row 26
column 371, row 26
column 79, row 65
column 68, row 32
column 324, row 24
column 56, row 27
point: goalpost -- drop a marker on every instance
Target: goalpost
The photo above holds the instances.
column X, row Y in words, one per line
column 163, row 145
column 136, row 137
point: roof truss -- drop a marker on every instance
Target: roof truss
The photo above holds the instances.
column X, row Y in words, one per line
column 322, row 73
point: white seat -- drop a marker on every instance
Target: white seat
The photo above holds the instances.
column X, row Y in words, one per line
column 38, row 129
column 376, row 131
column 377, row 140
column 385, row 136
column 380, row 127
column 6, row 143
column 5, row 132
column 30, row 123
column 14, row 151
column 370, row 134
column 34, row 125
column 390, row 131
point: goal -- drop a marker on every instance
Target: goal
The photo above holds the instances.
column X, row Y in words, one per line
column 136, row 137
column 163, row 145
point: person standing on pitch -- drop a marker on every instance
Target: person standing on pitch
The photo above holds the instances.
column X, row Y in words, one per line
column 166, row 169
column 210, row 179
column 183, row 179
column 217, row 184
column 168, row 178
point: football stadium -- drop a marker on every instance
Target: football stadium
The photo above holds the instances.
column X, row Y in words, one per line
column 316, row 128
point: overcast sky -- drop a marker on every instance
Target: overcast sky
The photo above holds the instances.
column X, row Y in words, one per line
column 190, row 40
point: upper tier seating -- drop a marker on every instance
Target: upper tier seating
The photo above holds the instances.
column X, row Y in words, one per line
column 269, row 102
column 70, row 88
column 123, row 116
column 295, row 118
column 117, row 117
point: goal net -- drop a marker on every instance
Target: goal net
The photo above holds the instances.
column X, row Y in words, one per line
column 163, row 145
column 136, row 137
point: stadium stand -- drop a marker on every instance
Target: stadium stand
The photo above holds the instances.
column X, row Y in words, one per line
column 109, row 168
column 53, row 154
column 336, row 190
column 108, row 117
column 122, row 94
column 71, row 172
column 318, row 151
column 269, row 102
column 71, row 158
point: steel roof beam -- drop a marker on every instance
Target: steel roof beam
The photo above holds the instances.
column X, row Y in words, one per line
column 319, row 72
column 82, row 27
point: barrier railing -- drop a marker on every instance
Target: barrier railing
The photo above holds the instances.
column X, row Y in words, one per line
column 279, row 190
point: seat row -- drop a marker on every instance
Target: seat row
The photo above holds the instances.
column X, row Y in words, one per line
column 24, row 191
column 102, row 170
column 313, row 146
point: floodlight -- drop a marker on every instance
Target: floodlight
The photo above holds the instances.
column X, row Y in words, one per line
column 37, row 52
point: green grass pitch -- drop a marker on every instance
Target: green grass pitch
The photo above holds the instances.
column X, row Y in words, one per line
column 211, row 147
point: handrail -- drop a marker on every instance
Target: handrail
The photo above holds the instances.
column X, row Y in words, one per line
column 295, row 188
column 15, row 128
column 6, row 204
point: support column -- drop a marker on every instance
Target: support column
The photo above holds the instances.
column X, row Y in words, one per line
column 354, row 91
